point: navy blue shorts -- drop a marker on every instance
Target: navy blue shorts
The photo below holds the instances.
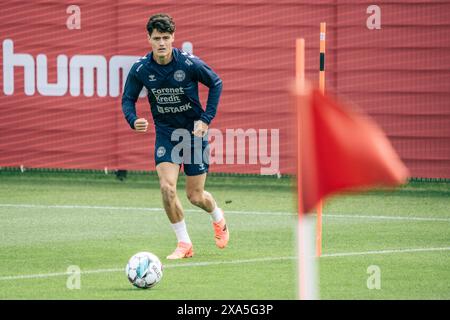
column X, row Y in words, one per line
column 186, row 149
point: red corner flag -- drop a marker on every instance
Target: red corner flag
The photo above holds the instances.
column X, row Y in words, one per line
column 341, row 150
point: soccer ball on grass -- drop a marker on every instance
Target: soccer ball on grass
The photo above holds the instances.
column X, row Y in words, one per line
column 144, row 270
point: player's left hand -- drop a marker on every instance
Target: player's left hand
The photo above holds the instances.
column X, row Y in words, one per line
column 200, row 129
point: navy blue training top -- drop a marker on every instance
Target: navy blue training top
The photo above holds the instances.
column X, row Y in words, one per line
column 172, row 91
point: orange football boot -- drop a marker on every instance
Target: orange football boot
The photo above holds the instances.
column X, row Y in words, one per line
column 183, row 250
column 221, row 233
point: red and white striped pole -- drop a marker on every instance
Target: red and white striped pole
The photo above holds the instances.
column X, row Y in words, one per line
column 307, row 280
column 323, row 28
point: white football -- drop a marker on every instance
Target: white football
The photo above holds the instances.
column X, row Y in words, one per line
column 144, row 270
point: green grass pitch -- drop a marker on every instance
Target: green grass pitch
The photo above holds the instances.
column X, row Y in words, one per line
column 50, row 221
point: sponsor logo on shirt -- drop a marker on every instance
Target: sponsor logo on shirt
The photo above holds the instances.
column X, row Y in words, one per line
column 168, row 95
column 183, row 108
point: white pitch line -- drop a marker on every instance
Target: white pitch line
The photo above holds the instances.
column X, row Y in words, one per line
column 36, row 206
column 386, row 217
column 271, row 213
column 56, row 274
column 349, row 254
column 165, row 266
column 211, row 263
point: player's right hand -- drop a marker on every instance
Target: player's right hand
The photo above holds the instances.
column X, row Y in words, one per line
column 140, row 125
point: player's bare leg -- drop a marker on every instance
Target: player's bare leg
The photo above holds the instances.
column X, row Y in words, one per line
column 195, row 191
column 168, row 176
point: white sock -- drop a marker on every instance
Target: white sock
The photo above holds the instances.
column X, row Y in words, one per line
column 181, row 231
column 217, row 214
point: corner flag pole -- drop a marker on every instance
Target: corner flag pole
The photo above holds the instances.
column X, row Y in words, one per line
column 300, row 61
column 323, row 27
column 306, row 266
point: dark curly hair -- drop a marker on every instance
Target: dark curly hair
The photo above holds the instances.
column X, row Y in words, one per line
column 161, row 22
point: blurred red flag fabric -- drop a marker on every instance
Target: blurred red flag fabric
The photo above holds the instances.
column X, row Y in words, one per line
column 340, row 150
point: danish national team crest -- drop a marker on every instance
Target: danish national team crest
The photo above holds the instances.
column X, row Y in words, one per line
column 179, row 75
column 161, row 151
